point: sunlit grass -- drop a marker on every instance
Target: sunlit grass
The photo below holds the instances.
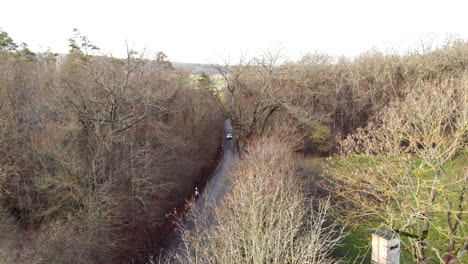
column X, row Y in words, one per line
column 356, row 246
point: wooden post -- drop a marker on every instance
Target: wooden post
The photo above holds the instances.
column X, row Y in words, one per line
column 385, row 246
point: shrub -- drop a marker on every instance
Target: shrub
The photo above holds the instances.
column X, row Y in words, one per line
column 266, row 218
column 9, row 239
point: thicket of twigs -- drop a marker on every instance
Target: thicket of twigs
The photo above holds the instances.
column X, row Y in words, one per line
column 408, row 179
column 405, row 118
column 266, row 217
column 95, row 151
column 322, row 96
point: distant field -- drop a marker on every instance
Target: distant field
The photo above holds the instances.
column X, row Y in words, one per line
column 195, row 68
column 218, row 82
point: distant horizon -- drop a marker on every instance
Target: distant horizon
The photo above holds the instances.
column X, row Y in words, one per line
column 209, row 31
column 434, row 40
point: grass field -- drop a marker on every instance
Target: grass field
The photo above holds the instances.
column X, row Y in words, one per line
column 218, row 82
column 356, row 246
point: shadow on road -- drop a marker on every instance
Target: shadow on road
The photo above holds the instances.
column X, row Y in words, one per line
column 213, row 192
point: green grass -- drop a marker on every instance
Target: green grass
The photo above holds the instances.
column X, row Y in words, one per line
column 193, row 80
column 217, row 83
column 356, row 246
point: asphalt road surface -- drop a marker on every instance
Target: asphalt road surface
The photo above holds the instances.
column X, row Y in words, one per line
column 214, row 190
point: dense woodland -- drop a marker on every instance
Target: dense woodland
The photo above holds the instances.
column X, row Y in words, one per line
column 394, row 128
column 96, row 151
column 322, row 96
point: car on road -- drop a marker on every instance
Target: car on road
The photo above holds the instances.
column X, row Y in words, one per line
column 228, row 136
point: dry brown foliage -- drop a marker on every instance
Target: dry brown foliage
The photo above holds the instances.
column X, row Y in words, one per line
column 94, row 152
column 322, row 95
column 266, row 218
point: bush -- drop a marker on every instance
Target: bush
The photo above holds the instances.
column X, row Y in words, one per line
column 8, row 239
column 319, row 139
column 266, row 218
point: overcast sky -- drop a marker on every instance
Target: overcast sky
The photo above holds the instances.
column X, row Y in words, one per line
column 209, row 30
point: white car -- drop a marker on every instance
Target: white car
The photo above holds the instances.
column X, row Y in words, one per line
column 228, row 136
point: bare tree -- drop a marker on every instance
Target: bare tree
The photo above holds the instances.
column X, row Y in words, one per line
column 409, row 189
column 266, row 218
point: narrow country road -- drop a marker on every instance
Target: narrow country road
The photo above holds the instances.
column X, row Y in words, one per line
column 214, row 190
